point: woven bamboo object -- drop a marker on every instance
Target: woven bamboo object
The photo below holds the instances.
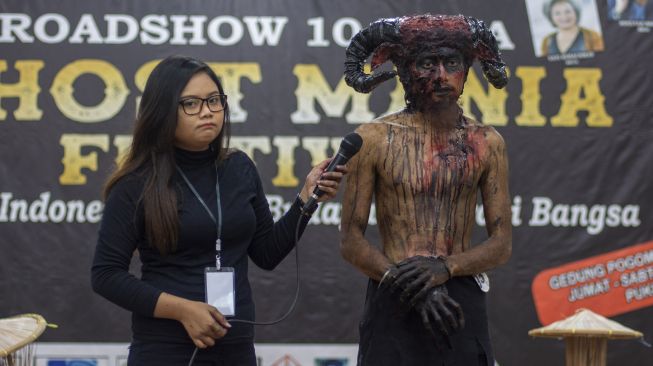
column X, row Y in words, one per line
column 586, row 336
column 16, row 335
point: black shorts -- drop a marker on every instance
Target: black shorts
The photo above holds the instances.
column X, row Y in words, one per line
column 392, row 336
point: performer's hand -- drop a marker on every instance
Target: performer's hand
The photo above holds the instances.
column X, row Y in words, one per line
column 328, row 182
column 203, row 323
column 417, row 276
column 441, row 315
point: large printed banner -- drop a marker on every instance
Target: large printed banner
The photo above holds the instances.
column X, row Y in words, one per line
column 576, row 116
column 115, row 354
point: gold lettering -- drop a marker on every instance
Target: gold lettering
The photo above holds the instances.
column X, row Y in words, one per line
column 122, row 144
column 141, row 76
column 491, row 104
column 530, row 96
column 73, row 160
column 316, row 147
column 230, row 75
column 585, row 81
column 26, row 90
column 397, row 101
column 115, row 91
column 335, row 144
column 285, row 161
column 312, row 87
column 250, row 144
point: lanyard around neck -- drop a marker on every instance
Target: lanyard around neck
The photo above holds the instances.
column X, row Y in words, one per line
column 218, row 221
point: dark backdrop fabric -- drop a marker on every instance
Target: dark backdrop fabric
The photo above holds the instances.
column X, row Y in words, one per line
column 55, row 156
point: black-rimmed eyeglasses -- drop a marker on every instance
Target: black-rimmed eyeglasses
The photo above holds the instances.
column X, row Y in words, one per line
column 193, row 106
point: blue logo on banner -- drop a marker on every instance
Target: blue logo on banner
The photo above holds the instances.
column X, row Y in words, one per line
column 72, row 363
column 331, row 362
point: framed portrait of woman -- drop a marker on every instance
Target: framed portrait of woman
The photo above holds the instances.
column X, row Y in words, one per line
column 564, row 27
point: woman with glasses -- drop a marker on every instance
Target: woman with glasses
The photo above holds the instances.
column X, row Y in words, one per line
column 186, row 203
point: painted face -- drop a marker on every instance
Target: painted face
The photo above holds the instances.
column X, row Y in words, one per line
column 438, row 76
column 563, row 15
column 195, row 132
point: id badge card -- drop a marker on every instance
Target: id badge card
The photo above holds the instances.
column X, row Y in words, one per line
column 220, row 289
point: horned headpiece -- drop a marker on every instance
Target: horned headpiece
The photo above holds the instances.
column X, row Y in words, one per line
column 400, row 39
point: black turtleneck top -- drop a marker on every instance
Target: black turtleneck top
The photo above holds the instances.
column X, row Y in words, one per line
column 247, row 231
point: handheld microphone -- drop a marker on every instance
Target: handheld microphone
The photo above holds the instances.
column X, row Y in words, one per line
column 348, row 148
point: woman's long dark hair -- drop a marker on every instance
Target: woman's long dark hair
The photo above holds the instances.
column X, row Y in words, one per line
column 151, row 154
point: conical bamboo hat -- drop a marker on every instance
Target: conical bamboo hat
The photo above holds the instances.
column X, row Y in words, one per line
column 18, row 331
column 586, row 323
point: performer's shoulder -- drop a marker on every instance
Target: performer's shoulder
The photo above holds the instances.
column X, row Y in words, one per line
column 397, row 119
column 489, row 132
column 378, row 127
column 494, row 138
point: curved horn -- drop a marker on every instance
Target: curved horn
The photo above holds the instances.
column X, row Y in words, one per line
column 487, row 51
column 362, row 45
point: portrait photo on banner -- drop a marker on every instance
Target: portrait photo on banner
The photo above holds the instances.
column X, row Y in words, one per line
column 565, row 28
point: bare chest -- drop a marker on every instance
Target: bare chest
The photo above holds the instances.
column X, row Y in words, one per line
column 433, row 164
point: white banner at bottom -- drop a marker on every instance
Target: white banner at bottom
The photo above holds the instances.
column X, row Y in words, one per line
column 115, row 354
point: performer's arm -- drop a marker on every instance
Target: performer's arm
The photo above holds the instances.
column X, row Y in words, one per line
column 356, row 205
column 497, row 248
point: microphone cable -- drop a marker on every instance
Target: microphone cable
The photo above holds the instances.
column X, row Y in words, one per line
column 349, row 147
column 294, row 301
